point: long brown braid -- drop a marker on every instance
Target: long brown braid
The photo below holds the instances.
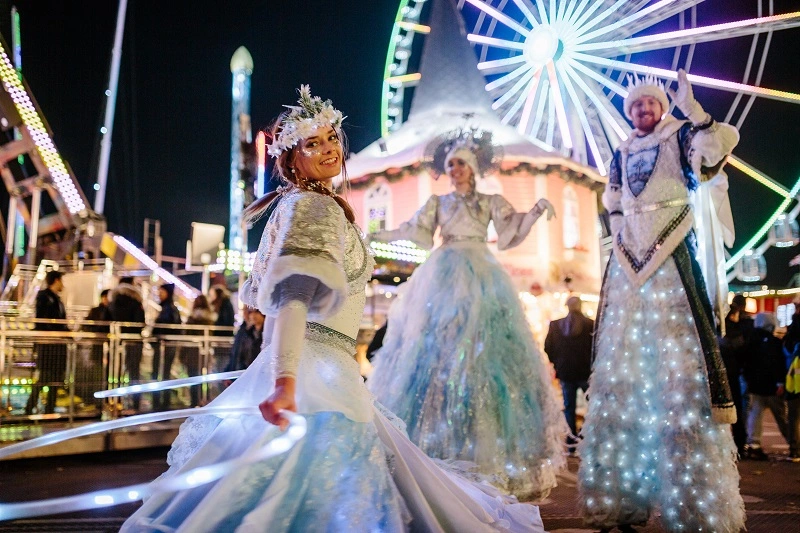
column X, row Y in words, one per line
column 285, row 172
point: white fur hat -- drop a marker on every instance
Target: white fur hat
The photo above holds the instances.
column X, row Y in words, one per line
column 648, row 86
column 468, row 156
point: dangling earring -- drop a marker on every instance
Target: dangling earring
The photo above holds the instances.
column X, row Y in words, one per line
column 292, row 170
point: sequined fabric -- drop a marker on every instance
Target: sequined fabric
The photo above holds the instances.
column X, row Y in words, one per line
column 650, row 443
column 460, row 367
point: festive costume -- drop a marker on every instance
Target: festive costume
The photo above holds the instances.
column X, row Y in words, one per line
column 355, row 470
column 459, row 363
column 656, row 433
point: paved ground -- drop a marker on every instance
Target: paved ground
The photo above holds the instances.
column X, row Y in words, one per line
column 771, row 490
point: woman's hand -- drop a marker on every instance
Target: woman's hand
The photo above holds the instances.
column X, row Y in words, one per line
column 544, row 205
column 282, row 398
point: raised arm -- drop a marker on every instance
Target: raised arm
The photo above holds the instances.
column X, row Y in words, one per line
column 705, row 143
column 513, row 227
column 419, row 229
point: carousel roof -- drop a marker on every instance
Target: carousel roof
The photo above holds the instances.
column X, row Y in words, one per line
column 451, row 95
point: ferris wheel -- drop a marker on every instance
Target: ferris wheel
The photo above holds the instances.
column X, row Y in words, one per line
column 556, row 69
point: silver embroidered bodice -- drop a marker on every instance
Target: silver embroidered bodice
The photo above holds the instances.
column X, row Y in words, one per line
column 308, row 234
column 464, row 218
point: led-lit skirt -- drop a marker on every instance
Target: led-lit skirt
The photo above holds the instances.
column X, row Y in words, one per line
column 460, row 366
column 650, row 444
column 355, row 469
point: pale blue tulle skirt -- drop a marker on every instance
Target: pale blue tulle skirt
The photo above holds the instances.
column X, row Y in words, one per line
column 460, row 366
column 335, row 479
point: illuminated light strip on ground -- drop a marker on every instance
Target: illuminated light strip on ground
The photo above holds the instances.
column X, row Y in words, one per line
column 703, row 33
column 143, row 258
column 403, row 250
column 756, row 175
column 703, row 81
column 37, row 130
column 500, row 17
column 186, row 480
column 730, row 263
column 168, row 384
column 404, row 79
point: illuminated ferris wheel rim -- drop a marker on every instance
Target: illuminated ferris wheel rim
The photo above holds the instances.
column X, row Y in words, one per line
column 565, row 50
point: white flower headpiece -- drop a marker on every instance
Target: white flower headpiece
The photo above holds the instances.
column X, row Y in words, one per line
column 647, row 86
column 303, row 120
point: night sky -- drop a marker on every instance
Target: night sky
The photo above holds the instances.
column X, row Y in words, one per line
column 171, row 152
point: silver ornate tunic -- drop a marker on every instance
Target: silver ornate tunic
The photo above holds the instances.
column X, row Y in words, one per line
column 648, row 190
column 465, row 218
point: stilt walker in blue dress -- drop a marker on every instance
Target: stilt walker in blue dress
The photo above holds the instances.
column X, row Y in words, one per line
column 656, row 437
column 459, row 363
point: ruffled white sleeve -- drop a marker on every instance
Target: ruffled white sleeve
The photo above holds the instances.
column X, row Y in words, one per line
column 419, row 229
column 305, row 235
column 612, row 195
column 512, row 227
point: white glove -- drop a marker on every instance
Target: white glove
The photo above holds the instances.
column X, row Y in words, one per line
column 544, row 205
column 684, row 99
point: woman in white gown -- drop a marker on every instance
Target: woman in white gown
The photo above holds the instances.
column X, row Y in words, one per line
column 355, row 470
column 459, row 364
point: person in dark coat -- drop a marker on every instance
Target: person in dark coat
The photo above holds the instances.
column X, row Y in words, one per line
column 377, row 341
column 91, row 379
column 51, row 359
column 201, row 315
column 223, row 307
column 126, row 306
column 169, row 314
column 247, row 341
column 569, row 346
column 732, row 347
column 765, row 373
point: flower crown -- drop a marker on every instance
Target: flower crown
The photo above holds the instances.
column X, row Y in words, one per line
column 479, row 142
column 303, row 119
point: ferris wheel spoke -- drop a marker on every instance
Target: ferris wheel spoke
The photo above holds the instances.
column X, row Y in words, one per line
column 516, row 73
column 702, row 34
column 703, row 81
column 512, row 111
column 599, row 102
column 544, row 90
column 759, row 74
column 500, row 17
column 603, row 80
column 513, row 90
column 561, row 112
column 532, row 90
column 499, row 65
column 587, row 130
column 654, row 18
column 542, row 12
column 497, row 43
column 760, row 177
column 562, row 7
column 625, row 22
column 527, row 10
column 584, row 25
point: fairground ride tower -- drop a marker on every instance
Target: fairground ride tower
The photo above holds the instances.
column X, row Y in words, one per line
column 241, row 137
